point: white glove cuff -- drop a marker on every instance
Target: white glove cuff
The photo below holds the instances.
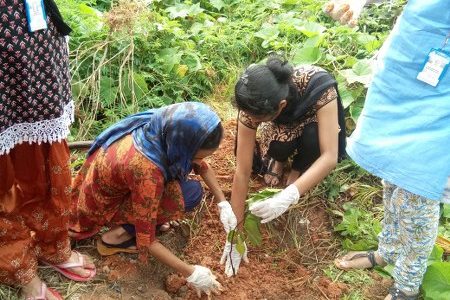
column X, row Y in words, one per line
column 194, row 275
column 293, row 193
column 224, row 204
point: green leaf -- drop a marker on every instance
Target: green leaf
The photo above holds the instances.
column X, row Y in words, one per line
column 251, row 226
column 360, row 72
column 140, row 86
column 195, row 9
column 262, row 195
column 370, row 42
column 436, row 282
column 307, row 55
column 178, row 11
column 346, row 96
column 268, row 32
column 217, row 4
column 193, row 62
column 311, row 29
column 182, row 10
column 314, row 41
column 240, row 246
column 446, row 211
column 356, row 109
column 108, row 90
column 169, row 57
column 231, row 236
column 435, row 255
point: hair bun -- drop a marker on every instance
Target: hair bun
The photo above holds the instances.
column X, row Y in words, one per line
column 280, row 68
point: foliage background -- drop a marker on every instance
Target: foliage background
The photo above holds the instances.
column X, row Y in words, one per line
column 129, row 56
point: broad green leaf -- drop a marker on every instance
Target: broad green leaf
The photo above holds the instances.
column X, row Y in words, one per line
column 435, row 255
column 360, row 72
column 251, row 226
column 370, row 42
column 307, row 55
column 313, row 41
column 346, row 96
column 169, row 57
column 140, row 86
column 182, row 10
column 178, row 11
column 217, row 4
column 311, row 29
column 195, row 9
column 108, row 90
column 362, row 67
column 356, row 109
column 192, row 61
column 268, row 32
column 436, row 282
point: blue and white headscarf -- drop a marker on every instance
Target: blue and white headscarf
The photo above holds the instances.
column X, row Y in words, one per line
column 169, row 136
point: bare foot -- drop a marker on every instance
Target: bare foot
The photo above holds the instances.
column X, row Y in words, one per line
column 274, row 173
column 293, row 175
column 166, row 226
column 34, row 289
column 117, row 236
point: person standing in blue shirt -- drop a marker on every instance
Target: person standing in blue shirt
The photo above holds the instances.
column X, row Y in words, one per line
column 403, row 137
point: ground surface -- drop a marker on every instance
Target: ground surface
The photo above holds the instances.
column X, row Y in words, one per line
column 289, row 264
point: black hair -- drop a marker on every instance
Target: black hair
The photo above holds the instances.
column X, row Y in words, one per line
column 261, row 88
column 212, row 141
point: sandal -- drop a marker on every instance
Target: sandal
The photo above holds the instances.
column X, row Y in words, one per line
column 42, row 296
column 370, row 255
column 106, row 249
column 397, row 294
column 64, row 269
column 271, row 173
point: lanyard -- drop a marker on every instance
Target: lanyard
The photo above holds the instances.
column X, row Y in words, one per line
column 447, row 38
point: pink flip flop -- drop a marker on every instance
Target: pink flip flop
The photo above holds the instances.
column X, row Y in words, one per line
column 42, row 296
column 64, row 269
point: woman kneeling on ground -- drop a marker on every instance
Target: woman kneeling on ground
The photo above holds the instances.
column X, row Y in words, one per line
column 299, row 114
column 135, row 178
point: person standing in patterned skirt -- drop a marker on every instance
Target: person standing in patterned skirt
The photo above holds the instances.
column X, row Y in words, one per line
column 36, row 109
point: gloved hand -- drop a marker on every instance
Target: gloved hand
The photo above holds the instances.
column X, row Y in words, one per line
column 227, row 216
column 232, row 258
column 346, row 11
column 275, row 206
column 203, row 280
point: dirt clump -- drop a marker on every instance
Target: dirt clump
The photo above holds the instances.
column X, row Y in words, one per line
column 174, row 282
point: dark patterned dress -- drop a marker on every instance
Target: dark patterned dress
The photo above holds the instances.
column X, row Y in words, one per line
column 271, row 131
column 35, row 96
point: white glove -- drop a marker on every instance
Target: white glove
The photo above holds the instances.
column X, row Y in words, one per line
column 346, row 11
column 227, row 216
column 203, row 280
column 275, row 206
column 232, row 258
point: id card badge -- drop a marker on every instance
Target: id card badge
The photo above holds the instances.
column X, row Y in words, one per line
column 434, row 67
column 36, row 16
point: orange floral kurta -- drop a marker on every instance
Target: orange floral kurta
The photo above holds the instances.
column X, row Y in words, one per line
column 34, row 209
column 119, row 185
